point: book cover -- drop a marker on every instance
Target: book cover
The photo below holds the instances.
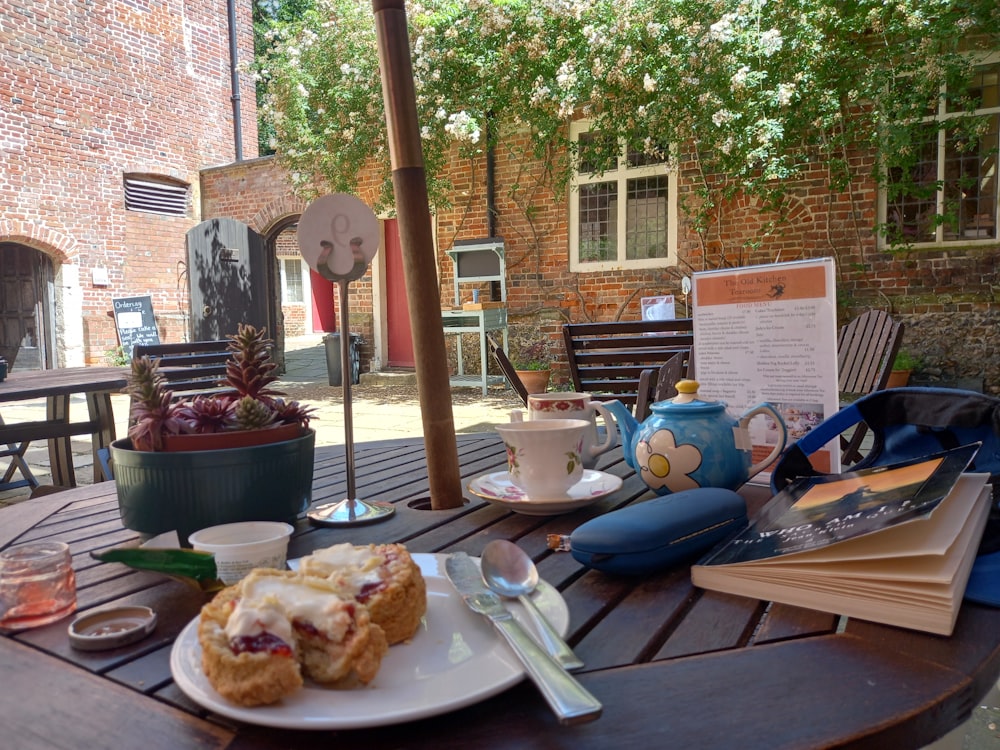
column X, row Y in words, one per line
column 894, row 544
column 817, row 511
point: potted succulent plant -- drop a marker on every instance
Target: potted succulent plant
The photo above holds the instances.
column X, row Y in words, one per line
column 263, row 473
column 251, row 413
column 532, row 366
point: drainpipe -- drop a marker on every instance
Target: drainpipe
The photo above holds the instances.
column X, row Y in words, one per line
column 234, row 61
column 491, row 213
column 491, row 201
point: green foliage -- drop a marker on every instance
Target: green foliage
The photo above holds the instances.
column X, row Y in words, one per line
column 753, row 92
column 116, row 357
column 906, row 360
column 532, row 356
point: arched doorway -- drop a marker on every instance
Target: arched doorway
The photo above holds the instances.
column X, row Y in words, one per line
column 27, row 338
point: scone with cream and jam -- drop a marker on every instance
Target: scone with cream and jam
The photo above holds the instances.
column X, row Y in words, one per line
column 383, row 577
column 261, row 635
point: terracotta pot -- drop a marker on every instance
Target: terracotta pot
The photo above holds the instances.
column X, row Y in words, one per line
column 535, row 381
column 236, row 439
column 898, row 378
column 160, row 491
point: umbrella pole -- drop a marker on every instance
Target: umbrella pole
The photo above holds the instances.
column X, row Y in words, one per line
column 419, row 267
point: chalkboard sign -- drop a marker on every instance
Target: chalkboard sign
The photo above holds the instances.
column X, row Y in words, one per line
column 135, row 322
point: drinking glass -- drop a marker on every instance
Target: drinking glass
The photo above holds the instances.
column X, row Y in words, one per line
column 37, row 584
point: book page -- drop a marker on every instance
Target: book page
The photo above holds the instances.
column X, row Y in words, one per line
column 769, row 334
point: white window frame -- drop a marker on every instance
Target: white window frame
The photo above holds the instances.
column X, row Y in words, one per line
column 284, row 281
column 622, row 175
column 940, row 240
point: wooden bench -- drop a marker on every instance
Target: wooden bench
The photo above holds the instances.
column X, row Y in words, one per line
column 621, row 360
column 191, row 368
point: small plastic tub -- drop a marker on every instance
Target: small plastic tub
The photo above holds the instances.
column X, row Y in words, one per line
column 240, row 547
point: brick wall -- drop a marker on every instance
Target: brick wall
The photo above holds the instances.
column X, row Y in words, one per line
column 89, row 92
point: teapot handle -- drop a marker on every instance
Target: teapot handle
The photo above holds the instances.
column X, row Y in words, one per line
column 611, row 430
column 782, row 437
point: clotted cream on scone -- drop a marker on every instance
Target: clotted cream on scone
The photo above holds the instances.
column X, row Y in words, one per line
column 383, row 577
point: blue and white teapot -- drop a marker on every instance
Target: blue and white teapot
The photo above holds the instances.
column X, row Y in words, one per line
column 687, row 443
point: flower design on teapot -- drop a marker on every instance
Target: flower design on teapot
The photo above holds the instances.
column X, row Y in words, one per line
column 664, row 463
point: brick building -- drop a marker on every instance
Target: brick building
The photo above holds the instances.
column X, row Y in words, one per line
column 108, row 111
column 145, row 95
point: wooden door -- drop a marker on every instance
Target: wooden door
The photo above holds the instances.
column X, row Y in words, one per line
column 25, row 325
column 231, row 279
column 400, row 339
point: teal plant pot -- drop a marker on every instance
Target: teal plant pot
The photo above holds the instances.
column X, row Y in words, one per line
column 190, row 490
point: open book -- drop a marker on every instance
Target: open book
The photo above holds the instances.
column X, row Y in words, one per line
column 893, row 544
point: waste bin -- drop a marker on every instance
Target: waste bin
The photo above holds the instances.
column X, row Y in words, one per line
column 333, row 368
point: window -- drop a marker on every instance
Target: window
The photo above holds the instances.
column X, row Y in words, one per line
column 291, row 281
column 156, row 195
column 625, row 217
column 950, row 191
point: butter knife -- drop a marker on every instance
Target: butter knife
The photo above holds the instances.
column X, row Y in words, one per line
column 568, row 699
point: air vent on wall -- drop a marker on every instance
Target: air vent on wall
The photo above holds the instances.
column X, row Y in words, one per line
column 155, row 196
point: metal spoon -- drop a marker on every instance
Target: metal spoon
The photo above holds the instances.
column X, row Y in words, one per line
column 509, row 572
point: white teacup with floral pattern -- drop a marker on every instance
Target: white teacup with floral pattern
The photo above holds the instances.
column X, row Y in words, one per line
column 545, row 457
column 573, row 405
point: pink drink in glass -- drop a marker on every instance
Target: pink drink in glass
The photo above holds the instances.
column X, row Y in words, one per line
column 37, row 584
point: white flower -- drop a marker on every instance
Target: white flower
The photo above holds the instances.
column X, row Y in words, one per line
column 649, row 83
column 345, row 69
column 303, row 91
column 770, row 42
column 739, row 78
column 462, row 127
column 785, row 92
column 721, row 117
column 722, row 30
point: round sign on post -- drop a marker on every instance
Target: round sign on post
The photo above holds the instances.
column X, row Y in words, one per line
column 338, row 237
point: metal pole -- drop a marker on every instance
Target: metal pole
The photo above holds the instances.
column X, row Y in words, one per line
column 345, row 379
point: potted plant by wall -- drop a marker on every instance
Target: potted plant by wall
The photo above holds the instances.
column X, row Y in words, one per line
column 532, row 366
column 244, row 454
column 902, row 367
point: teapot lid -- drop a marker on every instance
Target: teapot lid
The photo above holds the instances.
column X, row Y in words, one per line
column 687, row 398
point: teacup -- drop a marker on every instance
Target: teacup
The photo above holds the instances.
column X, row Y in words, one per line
column 573, row 406
column 545, row 457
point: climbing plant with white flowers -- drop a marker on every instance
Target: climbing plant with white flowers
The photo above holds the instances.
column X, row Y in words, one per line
column 753, row 91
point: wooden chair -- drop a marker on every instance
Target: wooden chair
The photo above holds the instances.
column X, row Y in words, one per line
column 620, row 360
column 507, row 368
column 659, row 385
column 866, row 348
column 190, row 368
column 15, row 452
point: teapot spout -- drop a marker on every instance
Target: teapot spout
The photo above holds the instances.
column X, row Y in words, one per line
column 627, row 426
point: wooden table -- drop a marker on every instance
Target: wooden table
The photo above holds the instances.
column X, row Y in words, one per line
column 672, row 665
column 57, row 387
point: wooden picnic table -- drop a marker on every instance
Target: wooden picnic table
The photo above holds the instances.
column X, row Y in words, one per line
column 57, row 388
column 672, row 665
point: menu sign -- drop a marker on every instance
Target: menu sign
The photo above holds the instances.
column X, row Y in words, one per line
column 769, row 333
column 135, row 322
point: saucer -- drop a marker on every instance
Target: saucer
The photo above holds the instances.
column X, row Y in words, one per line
column 499, row 490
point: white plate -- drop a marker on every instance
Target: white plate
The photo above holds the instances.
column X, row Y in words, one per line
column 498, row 489
column 455, row 659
